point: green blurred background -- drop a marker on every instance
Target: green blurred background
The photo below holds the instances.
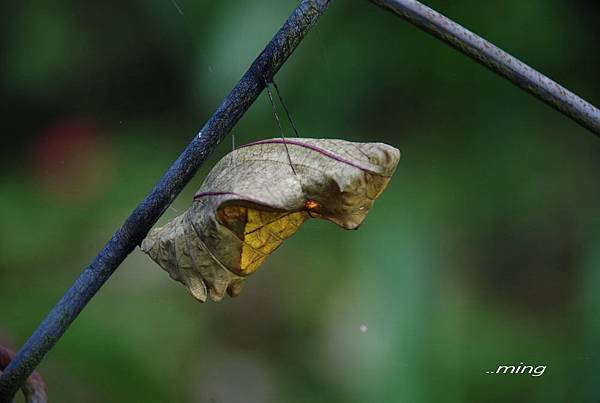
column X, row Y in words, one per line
column 484, row 250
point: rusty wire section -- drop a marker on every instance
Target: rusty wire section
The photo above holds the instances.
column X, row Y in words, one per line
column 35, row 389
column 497, row 60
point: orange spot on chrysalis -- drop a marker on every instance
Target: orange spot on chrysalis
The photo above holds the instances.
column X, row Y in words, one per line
column 312, row 205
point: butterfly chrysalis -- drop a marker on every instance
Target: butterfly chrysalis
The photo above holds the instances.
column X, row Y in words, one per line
column 257, row 197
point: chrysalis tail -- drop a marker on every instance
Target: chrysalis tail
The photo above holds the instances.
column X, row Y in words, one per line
column 268, row 88
column 287, row 111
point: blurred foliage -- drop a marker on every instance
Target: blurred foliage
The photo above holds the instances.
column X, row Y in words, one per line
column 484, row 250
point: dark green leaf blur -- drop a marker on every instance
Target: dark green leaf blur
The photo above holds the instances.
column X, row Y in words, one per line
column 483, row 251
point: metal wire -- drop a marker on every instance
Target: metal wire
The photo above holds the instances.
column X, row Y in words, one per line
column 497, row 60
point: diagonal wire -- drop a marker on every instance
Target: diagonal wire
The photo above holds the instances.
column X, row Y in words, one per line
column 145, row 215
column 497, row 60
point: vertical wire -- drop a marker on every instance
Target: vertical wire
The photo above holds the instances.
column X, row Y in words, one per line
column 232, row 145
